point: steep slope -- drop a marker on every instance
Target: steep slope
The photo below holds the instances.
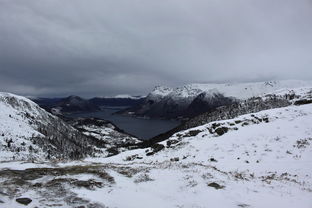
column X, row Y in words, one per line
column 29, row 132
column 174, row 103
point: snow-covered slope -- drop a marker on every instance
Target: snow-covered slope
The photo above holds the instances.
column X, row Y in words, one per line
column 29, row 132
column 173, row 103
column 16, row 128
column 255, row 160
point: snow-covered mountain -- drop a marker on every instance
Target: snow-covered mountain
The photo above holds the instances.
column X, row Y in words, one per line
column 276, row 99
column 174, row 103
column 257, row 159
column 29, row 132
column 237, row 90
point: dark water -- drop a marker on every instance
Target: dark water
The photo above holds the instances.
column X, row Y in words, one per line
column 142, row 128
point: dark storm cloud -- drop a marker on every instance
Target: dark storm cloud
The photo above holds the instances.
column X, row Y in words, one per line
column 105, row 47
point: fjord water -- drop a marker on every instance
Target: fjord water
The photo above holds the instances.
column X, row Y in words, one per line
column 139, row 127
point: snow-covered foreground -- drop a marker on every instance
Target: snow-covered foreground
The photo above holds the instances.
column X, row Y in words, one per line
column 256, row 160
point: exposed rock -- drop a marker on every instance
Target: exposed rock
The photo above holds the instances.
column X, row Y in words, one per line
column 221, row 130
column 215, row 185
column 24, row 201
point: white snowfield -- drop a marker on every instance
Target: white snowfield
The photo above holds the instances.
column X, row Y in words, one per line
column 256, row 163
column 237, row 90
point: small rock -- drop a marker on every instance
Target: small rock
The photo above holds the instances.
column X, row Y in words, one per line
column 215, row 185
column 24, row 201
column 221, row 130
column 175, row 159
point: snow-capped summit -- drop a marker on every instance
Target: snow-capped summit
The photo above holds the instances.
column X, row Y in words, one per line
column 161, row 91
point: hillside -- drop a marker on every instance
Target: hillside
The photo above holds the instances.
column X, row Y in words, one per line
column 27, row 132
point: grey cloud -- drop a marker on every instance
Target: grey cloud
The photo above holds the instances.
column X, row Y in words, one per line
column 109, row 47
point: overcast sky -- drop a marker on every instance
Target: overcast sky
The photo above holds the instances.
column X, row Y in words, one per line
column 106, row 47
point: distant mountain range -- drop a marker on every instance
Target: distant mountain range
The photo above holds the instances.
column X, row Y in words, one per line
column 191, row 100
column 77, row 104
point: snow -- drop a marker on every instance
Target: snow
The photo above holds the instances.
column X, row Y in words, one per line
column 22, row 165
column 237, row 90
column 16, row 127
column 272, row 169
column 263, row 159
column 124, row 96
column 161, row 91
column 128, row 96
column 299, row 93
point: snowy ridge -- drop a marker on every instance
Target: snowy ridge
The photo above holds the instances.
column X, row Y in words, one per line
column 160, row 91
column 193, row 99
column 239, row 90
column 293, row 94
column 16, row 127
